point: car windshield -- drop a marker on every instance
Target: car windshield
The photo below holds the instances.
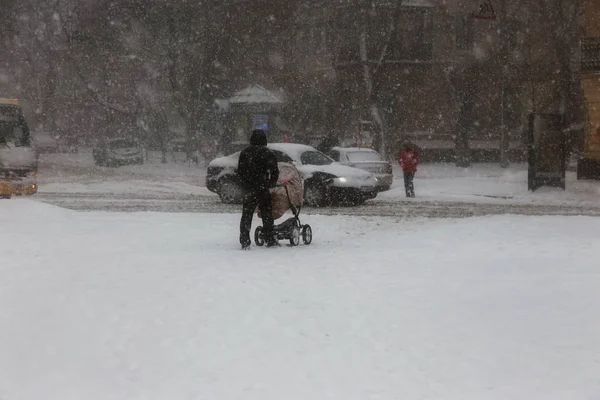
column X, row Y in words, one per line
column 362, row 156
column 121, row 144
column 315, row 158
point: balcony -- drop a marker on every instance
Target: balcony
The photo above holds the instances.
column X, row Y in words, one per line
column 590, row 55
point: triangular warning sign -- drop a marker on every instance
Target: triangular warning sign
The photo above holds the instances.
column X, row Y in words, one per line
column 486, row 11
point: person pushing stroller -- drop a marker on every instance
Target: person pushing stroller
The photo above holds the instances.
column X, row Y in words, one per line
column 258, row 172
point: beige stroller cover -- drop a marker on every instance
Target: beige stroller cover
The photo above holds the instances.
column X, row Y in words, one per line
column 295, row 187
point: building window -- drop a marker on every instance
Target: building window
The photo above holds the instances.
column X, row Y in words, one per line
column 303, row 39
column 465, row 32
column 511, row 35
column 320, row 36
column 313, row 38
column 414, row 34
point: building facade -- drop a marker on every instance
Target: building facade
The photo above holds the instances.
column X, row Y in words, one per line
column 589, row 165
column 434, row 69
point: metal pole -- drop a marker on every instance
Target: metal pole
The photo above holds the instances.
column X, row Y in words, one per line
column 503, row 133
column 504, row 54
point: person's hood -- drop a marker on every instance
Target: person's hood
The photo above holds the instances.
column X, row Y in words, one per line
column 258, row 138
column 408, row 145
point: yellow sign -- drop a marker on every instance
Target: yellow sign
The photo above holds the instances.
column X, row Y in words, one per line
column 14, row 102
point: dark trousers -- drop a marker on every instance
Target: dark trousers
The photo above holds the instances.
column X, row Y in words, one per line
column 262, row 199
column 408, row 184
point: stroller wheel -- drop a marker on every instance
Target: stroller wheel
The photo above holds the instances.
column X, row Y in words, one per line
column 307, row 234
column 295, row 236
column 259, row 236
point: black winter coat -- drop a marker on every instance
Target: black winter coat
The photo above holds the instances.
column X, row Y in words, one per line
column 257, row 168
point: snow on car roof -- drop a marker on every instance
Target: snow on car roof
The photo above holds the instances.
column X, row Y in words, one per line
column 293, row 150
column 230, row 161
column 346, row 149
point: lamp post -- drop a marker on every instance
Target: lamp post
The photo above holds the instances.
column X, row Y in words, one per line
column 504, row 139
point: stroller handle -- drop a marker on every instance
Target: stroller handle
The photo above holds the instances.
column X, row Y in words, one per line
column 283, row 183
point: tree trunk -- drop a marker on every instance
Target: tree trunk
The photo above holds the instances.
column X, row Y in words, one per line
column 504, row 139
column 191, row 131
column 463, row 99
column 371, row 98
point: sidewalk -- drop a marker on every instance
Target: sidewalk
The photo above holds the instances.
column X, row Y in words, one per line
column 488, row 183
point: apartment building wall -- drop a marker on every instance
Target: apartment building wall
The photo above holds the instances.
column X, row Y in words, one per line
column 589, row 166
column 424, row 95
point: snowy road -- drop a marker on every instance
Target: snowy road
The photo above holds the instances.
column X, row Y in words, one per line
column 392, row 208
column 152, row 306
column 443, row 191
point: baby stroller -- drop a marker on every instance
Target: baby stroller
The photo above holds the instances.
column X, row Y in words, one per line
column 287, row 195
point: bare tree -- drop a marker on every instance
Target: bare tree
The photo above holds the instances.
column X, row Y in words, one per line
column 371, row 71
column 565, row 23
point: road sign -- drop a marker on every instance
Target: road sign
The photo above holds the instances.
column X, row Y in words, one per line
column 486, row 11
column 260, row 121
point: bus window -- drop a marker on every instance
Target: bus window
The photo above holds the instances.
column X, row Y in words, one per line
column 13, row 128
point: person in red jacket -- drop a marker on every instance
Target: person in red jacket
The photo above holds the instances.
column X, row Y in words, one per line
column 408, row 158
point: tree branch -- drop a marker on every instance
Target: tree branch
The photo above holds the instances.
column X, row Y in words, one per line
column 391, row 30
column 94, row 93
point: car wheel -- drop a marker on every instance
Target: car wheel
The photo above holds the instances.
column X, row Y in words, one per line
column 104, row 161
column 259, row 236
column 230, row 192
column 349, row 198
column 361, row 197
column 307, row 234
column 295, row 237
column 358, row 201
column 315, row 195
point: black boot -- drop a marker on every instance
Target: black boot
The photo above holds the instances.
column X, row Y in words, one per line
column 272, row 242
column 245, row 242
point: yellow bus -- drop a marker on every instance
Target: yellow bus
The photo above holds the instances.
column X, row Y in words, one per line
column 18, row 158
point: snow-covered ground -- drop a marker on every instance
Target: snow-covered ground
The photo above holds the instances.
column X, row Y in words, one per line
column 489, row 183
column 482, row 183
column 164, row 306
column 77, row 173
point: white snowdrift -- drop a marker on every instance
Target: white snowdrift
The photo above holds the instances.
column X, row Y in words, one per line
column 165, row 306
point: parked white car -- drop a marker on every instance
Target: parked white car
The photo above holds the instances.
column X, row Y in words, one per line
column 368, row 160
column 325, row 181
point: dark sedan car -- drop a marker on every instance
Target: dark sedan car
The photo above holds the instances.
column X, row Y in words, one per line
column 117, row 152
